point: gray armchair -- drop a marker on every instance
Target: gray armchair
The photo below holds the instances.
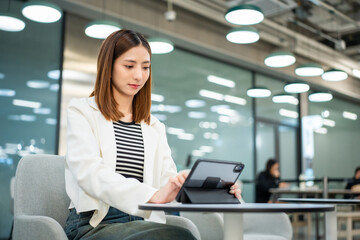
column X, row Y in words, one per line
column 41, row 202
column 257, row 226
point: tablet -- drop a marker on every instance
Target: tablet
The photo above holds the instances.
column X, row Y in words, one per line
column 209, row 181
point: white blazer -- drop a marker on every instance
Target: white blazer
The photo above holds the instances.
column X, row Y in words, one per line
column 91, row 180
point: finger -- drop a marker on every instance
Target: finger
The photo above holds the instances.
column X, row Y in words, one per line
column 238, row 195
column 181, row 179
column 234, row 186
column 175, row 181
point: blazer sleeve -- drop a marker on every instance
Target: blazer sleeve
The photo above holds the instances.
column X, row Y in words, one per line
column 97, row 179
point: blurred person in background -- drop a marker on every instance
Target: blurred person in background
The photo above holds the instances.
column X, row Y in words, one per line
column 270, row 178
column 354, row 184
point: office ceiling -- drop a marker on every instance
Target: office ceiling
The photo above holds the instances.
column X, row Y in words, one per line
column 335, row 23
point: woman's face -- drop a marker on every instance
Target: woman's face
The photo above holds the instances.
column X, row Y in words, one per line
column 131, row 70
column 274, row 170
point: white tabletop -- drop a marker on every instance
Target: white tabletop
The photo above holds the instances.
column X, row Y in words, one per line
column 245, row 207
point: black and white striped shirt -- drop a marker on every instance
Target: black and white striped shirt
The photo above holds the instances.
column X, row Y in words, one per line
column 130, row 150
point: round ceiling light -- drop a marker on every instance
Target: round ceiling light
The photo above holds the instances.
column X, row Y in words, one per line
column 243, row 35
column 280, row 59
column 43, row 12
column 334, row 75
column 160, row 45
column 320, row 97
column 296, row 87
column 244, row 14
column 101, row 29
column 258, row 92
column 11, row 23
column 309, row 70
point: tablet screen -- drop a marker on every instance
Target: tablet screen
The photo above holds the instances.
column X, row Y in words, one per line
column 213, row 174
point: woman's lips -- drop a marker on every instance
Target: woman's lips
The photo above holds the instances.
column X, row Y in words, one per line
column 134, row 86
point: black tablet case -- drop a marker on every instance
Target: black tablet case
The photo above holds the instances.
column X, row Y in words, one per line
column 209, row 192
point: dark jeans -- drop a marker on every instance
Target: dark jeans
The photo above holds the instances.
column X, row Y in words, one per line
column 121, row 226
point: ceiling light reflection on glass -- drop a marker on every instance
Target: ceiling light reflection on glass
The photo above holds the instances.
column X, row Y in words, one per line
column 258, row 92
column 174, row 131
column 186, row 136
column 211, row 94
column 309, row 70
column 101, row 29
column 197, row 115
column 280, row 59
column 195, row 103
column 23, row 117
column 51, row 121
column 221, row 81
column 160, row 45
column 227, row 112
column 325, row 113
column 43, row 12
column 43, row 111
column 296, row 87
column 157, row 97
column 321, row 130
column 285, row 98
column 165, row 108
column 216, row 108
column 235, row 100
column 161, row 117
column 208, row 125
column 37, row 84
column 320, row 97
column 206, row 149
column 244, row 14
column 244, row 35
column 25, row 103
column 7, row 92
column 11, row 23
column 197, row 153
column 210, row 135
column 334, row 75
column 54, row 87
column 329, row 122
column 2, row 76
column 349, row 115
column 54, row 74
column 288, row 113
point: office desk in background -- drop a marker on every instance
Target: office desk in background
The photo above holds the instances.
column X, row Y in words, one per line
column 321, row 201
column 233, row 219
column 305, row 193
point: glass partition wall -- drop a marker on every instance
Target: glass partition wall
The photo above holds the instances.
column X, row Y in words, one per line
column 336, row 150
column 204, row 105
column 29, row 98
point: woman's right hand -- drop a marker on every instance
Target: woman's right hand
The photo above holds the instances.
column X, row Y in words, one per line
column 170, row 190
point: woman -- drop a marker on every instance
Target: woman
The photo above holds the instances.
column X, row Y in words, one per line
column 270, row 178
column 118, row 156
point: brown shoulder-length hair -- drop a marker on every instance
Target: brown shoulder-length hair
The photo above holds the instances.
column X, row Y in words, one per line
column 113, row 46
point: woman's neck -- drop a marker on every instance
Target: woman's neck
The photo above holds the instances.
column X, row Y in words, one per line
column 124, row 105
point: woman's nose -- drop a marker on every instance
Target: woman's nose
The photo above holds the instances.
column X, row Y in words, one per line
column 138, row 73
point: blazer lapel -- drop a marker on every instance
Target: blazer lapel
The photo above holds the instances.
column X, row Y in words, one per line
column 107, row 142
column 150, row 137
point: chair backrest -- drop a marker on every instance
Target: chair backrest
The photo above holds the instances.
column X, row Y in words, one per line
column 40, row 187
column 271, row 224
column 210, row 225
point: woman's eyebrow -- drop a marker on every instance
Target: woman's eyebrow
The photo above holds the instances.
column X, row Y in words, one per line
column 133, row 61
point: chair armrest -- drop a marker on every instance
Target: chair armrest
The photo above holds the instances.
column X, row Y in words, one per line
column 184, row 223
column 37, row 227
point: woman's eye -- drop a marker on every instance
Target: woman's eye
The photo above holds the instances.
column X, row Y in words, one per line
column 146, row 68
column 128, row 66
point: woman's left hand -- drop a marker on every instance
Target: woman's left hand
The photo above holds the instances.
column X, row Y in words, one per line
column 234, row 189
